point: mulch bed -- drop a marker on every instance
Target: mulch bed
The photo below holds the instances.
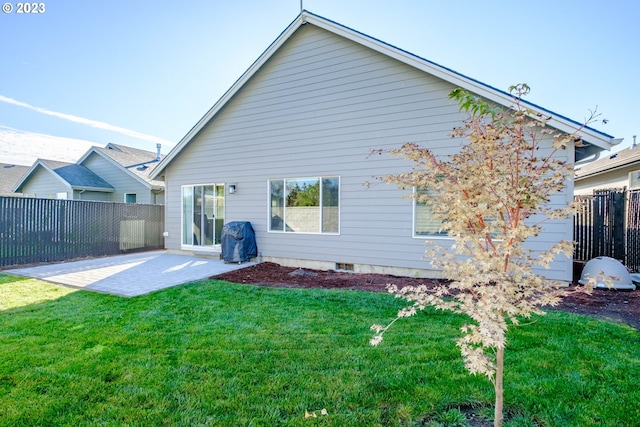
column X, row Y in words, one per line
column 620, row 306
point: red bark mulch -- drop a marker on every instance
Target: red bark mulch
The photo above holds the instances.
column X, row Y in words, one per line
column 621, row 306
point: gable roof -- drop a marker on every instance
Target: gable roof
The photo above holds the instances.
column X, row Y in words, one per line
column 133, row 161
column 594, row 140
column 74, row 176
column 9, row 176
column 621, row 159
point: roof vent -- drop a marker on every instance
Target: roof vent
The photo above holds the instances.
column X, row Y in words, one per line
column 142, row 168
column 634, row 142
column 9, row 166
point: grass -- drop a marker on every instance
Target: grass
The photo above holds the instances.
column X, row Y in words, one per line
column 222, row 354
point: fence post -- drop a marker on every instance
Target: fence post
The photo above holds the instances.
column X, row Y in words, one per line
column 618, row 225
column 599, row 203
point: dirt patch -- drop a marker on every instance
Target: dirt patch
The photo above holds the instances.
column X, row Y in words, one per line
column 621, row 306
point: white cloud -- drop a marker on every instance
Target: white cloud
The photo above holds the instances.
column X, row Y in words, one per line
column 89, row 122
column 23, row 148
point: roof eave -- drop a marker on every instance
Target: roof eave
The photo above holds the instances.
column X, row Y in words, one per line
column 36, row 164
column 607, row 170
column 588, row 135
column 98, row 189
column 19, row 183
column 118, row 165
column 245, row 77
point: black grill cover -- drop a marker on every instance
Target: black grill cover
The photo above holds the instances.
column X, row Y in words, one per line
column 238, row 242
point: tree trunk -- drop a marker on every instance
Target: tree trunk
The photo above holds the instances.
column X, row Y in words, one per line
column 497, row 416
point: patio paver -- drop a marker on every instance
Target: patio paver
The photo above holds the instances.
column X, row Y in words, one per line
column 130, row 275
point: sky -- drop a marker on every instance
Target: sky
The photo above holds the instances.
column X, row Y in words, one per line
column 143, row 72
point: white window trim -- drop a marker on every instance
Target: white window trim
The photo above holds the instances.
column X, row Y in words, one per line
column 199, row 248
column 637, row 186
column 413, row 224
column 321, row 177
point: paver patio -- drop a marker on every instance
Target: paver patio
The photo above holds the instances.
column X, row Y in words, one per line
column 130, row 275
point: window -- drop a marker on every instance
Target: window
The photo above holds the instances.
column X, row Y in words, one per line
column 304, row 205
column 634, row 180
column 424, row 224
column 130, row 198
column 202, row 214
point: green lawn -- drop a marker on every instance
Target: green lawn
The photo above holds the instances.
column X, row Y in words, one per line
column 222, row 354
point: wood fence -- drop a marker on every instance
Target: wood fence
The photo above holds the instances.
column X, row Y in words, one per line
column 48, row 230
column 608, row 224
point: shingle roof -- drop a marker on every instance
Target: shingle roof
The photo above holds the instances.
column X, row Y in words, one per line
column 138, row 162
column 594, row 140
column 9, row 177
column 617, row 160
column 77, row 175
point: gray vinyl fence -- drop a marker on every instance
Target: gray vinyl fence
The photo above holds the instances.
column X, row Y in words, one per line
column 48, row 230
column 608, row 224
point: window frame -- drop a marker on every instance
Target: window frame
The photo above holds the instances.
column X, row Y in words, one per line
column 321, row 179
column 634, row 176
column 215, row 185
column 414, row 220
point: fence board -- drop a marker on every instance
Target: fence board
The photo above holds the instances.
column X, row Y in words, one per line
column 47, row 230
column 633, row 231
column 608, row 224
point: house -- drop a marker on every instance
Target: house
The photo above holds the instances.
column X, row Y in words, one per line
column 127, row 169
column 618, row 170
column 288, row 148
column 9, row 175
column 52, row 179
column 114, row 173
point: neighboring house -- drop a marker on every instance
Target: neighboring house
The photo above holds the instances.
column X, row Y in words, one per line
column 115, row 173
column 618, row 170
column 127, row 169
column 9, row 176
column 288, row 148
column 52, row 179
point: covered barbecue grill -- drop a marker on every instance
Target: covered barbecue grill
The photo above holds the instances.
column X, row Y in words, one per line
column 238, row 242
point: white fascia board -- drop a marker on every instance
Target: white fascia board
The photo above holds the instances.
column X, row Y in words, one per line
column 118, row 166
column 246, row 76
column 86, row 155
column 34, row 167
column 24, row 178
column 558, row 122
column 501, row 98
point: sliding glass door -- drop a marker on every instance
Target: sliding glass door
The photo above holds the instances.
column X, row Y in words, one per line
column 202, row 214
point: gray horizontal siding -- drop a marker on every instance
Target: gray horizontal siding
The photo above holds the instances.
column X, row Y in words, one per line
column 119, row 179
column 318, row 108
column 43, row 184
